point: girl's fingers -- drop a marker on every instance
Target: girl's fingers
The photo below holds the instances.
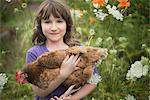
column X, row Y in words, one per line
column 66, row 58
column 63, row 97
column 76, row 57
column 57, row 98
column 70, row 58
column 77, row 61
column 77, row 68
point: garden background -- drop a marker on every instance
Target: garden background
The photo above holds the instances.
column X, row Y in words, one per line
column 125, row 74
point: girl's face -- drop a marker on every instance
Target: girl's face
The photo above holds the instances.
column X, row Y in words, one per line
column 54, row 29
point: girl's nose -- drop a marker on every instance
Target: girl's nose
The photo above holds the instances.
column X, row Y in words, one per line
column 54, row 27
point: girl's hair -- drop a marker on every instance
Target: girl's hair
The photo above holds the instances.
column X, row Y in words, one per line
column 58, row 9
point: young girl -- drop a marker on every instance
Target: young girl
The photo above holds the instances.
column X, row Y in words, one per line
column 53, row 25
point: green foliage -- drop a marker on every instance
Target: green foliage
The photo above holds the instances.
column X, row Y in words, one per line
column 127, row 42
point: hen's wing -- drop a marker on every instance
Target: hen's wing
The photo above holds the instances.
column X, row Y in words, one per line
column 52, row 59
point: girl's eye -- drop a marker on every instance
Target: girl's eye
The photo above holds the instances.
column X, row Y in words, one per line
column 46, row 21
column 60, row 21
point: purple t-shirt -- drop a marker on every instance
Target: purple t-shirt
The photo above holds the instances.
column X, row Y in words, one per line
column 32, row 55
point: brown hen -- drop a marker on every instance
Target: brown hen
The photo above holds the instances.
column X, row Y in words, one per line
column 47, row 66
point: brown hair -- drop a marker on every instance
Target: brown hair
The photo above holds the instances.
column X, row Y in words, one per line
column 58, row 9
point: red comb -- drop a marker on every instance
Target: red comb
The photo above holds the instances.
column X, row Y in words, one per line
column 17, row 75
column 19, row 79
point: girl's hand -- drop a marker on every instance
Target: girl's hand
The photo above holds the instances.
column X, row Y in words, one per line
column 68, row 65
column 61, row 98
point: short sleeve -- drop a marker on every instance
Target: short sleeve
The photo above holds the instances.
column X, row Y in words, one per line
column 30, row 57
column 95, row 78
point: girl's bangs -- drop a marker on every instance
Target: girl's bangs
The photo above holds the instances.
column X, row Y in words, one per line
column 51, row 10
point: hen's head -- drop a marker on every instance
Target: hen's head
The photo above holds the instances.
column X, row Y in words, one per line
column 21, row 77
column 94, row 54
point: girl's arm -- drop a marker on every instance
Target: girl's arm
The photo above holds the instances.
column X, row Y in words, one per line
column 67, row 67
column 52, row 86
column 84, row 91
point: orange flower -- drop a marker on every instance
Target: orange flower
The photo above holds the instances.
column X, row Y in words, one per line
column 99, row 2
column 123, row 3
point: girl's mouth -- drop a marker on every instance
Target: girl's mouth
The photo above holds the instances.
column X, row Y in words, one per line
column 54, row 33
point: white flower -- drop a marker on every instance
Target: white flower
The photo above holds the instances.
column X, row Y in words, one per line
column 24, row 5
column 113, row 51
column 145, row 70
column 92, row 31
column 129, row 97
column 87, row 0
column 17, row 28
column 109, row 39
column 8, row 0
column 95, row 10
column 145, row 60
column 3, row 80
column 108, row 6
column 116, row 14
column 149, row 97
column 99, row 14
column 122, row 39
column 144, row 45
column 98, row 41
column 137, row 70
